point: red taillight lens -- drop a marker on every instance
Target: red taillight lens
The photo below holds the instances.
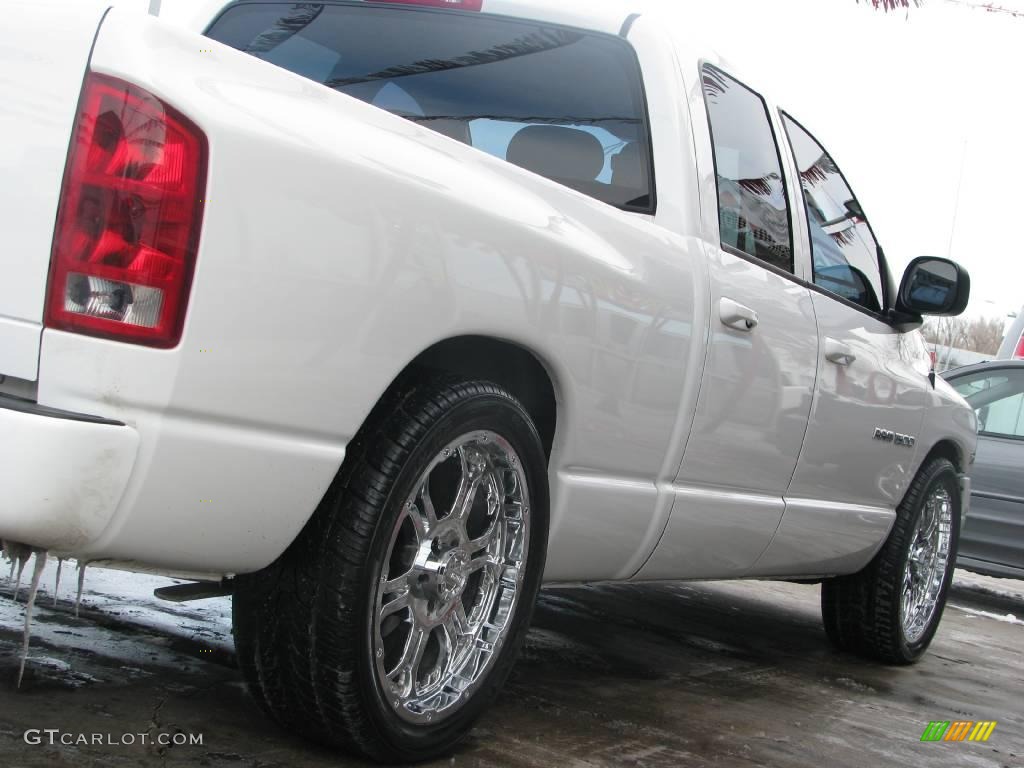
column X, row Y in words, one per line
column 455, row 5
column 128, row 221
column 1019, row 352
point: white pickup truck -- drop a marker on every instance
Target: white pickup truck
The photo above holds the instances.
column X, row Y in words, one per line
column 381, row 314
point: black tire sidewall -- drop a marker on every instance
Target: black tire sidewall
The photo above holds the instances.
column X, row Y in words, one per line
column 941, row 472
column 507, row 419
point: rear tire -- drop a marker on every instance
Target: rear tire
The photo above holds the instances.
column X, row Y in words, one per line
column 891, row 610
column 377, row 580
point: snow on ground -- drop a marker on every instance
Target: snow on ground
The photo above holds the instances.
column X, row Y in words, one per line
column 129, row 596
column 709, row 674
column 125, row 598
column 1011, row 588
column 1009, row 618
column 121, row 599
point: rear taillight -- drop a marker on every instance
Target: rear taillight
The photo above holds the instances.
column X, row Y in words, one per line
column 128, row 222
column 455, row 5
column 1019, row 352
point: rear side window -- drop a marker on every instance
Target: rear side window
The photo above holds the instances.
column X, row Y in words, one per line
column 562, row 103
column 844, row 250
column 753, row 211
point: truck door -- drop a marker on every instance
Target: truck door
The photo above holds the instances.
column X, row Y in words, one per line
column 762, row 352
column 871, row 393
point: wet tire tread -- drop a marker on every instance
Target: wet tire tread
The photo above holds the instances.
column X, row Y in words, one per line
column 298, row 622
column 861, row 612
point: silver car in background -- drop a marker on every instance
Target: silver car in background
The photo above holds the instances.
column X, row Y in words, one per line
column 992, row 541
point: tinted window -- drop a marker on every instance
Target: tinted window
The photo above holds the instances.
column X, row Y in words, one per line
column 562, row 103
column 998, row 399
column 844, row 251
column 753, row 211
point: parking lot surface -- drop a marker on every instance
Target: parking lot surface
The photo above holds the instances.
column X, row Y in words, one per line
column 705, row 674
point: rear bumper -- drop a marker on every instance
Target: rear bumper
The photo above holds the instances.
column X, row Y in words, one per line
column 62, row 474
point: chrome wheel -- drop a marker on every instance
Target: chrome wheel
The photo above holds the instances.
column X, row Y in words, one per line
column 927, row 563
column 451, row 578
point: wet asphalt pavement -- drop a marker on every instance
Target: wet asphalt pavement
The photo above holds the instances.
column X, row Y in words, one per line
column 713, row 674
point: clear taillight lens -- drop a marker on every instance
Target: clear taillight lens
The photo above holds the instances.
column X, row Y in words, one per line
column 128, row 221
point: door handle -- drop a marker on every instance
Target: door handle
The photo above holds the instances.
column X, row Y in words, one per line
column 838, row 353
column 737, row 316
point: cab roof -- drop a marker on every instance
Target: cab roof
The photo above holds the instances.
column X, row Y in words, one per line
column 607, row 16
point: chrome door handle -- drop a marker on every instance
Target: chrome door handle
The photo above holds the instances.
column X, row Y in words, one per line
column 838, row 353
column 737, row 316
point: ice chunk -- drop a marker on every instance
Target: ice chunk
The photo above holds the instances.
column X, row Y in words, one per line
column 17, row 584
column 18, row 554
column 56, row 583
column 29, row 605
column 81, row 580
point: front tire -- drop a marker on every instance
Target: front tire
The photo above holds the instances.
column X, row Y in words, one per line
column 392, row 622
column 891, row 610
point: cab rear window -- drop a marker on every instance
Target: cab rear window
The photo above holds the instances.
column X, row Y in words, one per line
column 560, row 102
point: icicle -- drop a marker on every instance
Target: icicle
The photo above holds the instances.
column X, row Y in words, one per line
column 56, row 585
column 30, row 603
column 81, row 581
column 17, row 554
column 21, row 567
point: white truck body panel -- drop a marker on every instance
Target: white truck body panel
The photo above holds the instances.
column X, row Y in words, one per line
column 39, row 88
column 86, row 468
column 327, row 265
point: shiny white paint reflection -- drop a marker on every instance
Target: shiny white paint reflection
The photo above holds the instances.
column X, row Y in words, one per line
column 342, row 241
column 882, row 388
column 756, row 394
column 821, row 538
column 339, row 242
column 36, row 112
column 713, row 534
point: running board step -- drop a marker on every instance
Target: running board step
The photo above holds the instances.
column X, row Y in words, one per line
column 195, row 590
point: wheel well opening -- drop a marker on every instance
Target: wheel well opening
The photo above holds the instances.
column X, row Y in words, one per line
column 504, row 363
column 947, row 449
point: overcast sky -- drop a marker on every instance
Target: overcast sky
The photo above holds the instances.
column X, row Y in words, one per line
column 903, row 101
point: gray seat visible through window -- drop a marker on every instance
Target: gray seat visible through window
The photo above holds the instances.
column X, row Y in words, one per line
column 453, row 129
column 567, row 155
column 627, row 168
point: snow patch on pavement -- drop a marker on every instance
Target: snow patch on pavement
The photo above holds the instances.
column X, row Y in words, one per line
column 1011, row 588
column 123, row 597
column 1009, row 618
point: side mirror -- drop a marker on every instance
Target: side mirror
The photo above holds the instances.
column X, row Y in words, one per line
column 934, row 286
